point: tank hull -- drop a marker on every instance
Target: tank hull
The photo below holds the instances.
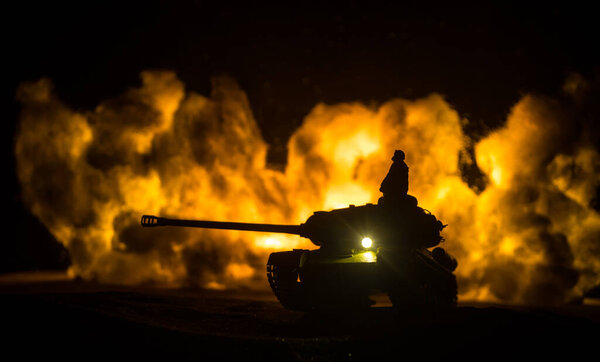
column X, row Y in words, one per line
column 310, row 280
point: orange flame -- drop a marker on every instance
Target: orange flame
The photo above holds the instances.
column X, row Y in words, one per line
column 530, row 236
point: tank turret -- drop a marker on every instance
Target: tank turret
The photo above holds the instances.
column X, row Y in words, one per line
column 341, row 228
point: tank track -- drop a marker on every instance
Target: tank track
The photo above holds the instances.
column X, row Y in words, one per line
column 421, row 283
column 438, row 292
column 427, row 295
column 286, row 287
column 296, row 295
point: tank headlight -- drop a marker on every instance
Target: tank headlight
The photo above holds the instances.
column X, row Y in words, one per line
column 366, row 242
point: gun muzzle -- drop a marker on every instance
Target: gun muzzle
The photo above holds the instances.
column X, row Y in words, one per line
column 150, row 221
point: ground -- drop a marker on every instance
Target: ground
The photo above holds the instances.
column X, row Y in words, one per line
column 75, row 319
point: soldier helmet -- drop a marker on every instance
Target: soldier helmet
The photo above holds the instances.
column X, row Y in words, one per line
column 398, row 156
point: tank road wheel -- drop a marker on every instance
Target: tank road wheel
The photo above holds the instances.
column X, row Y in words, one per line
column 288, row 290
column 405, row 297
column 445, row 292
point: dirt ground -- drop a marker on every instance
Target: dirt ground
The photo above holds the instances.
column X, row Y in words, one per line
column 67, row 320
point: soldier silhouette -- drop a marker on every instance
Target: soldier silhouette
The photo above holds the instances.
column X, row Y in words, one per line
column 395, row 184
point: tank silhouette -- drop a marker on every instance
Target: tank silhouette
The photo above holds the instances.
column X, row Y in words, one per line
column 362, row 250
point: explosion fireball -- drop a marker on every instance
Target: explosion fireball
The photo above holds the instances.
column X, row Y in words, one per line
column 531, row 236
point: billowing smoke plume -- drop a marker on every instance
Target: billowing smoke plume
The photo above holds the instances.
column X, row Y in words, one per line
column 532, row 235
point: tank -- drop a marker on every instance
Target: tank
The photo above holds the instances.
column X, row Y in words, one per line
column 362, row 250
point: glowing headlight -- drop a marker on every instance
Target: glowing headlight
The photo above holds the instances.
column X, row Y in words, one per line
column 366, row 242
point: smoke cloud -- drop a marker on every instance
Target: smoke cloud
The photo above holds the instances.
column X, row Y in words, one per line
column 531, row 234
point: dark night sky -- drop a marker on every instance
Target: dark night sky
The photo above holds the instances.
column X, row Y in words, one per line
column 289, row 58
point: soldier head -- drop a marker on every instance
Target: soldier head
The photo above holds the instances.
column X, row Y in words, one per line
column 398, row 156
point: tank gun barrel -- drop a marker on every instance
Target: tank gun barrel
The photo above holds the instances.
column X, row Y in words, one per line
column 152, row 221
